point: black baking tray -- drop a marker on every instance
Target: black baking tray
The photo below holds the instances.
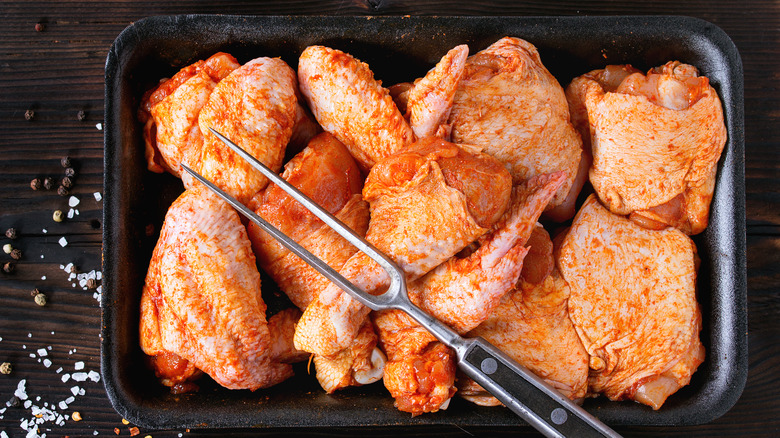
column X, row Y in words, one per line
column 399, row 49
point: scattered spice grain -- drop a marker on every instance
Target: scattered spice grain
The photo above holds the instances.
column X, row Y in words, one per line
column 16, row 254
column 65, row 161
column 91, row 283
column 40, row 299
column 67, row 182
column 29, row 114
column 81, row 116
column 134, row 431
column 39, row 27
column 62, row 191
column 70, row 172
column 6, row 368
column 14, row 402
column 7, row 248
column 76, row 416
column 117, row 431
column 57, row 216
column 125, row 422
column 10, row 233
column 48, row 183
column 35, row 292
column 36, row 184
column 9, row 268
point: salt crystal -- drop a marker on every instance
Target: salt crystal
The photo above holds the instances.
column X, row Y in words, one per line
column 59, row 370
column 70, row 213
column 27, row 404
column 70, row 400
column 67, row 267
column 73, row 201
column 32, row 355
column 3, row 434
column 82, row 391
column 79, row 377
column 98, row 275
column 65, row 377
column 82, row 282
column 94, row 376
column 95, row 432
column 99, row 127
column 21, row 392
column 73, row 284
column 24, row 347
column 46, row 363
column 42, row 352
column 63, row 242
column 95, row 295
column 45, row 231
column 63, row 405
column 39, row 361
column 98, row 196
column 63, row 267
column 76, row 211
column 42, row 256
column 75, row 389
column 78, row 366
column 29, row 335
column 43, row 277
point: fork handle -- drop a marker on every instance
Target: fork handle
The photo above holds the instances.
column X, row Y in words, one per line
column 547, row 410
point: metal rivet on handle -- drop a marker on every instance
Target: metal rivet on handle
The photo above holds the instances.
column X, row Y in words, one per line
column 488, row 365
column 559, row 416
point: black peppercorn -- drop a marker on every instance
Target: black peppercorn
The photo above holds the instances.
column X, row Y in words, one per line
column 62, row 191
column 16, row 254
column 36, row 184
column 9, row 268
column 81, row 116
column 10, row 233
column 67, row 182
column 48, row 183
column 70, row 172
column 29, row 114
column 65, row 161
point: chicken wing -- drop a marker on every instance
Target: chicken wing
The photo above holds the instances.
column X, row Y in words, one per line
column 170, row 113
column 201, row 301
column 656, row 140
column 509, row 104
column 350, row 104
column 531, row 324
column 427, row 203
column 633, row 304
column 255, row 106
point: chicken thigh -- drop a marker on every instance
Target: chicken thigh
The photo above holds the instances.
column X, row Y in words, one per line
column 427, row 203
column 633, row 304
column 656, row 140
column 201, row 306
column 349, row 103
column 509, row 104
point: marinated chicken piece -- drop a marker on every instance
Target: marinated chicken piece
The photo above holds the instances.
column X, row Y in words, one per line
column 633, row 304
column 349, row 103
column 462, row 292
column 427, row 203
column 430, row 99
column 531, row 324
column 170, row 113
column 326, row 173
column 510, row 105
column 201, row 301
column 255, row 107
column 656, row 140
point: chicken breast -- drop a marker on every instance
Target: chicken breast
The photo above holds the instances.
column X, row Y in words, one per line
column 201, row 300
column 633, row 304
column 656, row 140
column 170, row 113
column 255, row 107
column 511, row 106
column 349, row 103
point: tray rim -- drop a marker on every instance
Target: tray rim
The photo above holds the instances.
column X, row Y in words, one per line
column 734, row 380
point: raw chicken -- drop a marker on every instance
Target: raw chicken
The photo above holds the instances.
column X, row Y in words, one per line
column 633, row 304
column 349, row 103
column 427, row 203
column 656, row 141
column 531, row 324
column 509, row 104
column 462, row 292
column 201, row 303
column 327, row 174
column 170, row 113
column 255, row 107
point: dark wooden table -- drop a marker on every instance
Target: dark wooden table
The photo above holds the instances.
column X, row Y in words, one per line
column 52, row 57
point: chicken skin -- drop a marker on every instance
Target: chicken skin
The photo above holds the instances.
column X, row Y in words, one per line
column 327, row 174
column 462, row 292
column 510, row 105
column 349, row 103
column 656, row 140
column 633, row 304
column 201, row 306
column 255, row 106
column 170, row 113
column 427, row 203
column 531, row 324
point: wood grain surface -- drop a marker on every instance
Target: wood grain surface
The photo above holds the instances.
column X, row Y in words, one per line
column 51, row 74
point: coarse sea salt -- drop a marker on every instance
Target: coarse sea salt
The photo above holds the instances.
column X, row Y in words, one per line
column 98, row 196
column 78, row 366
column 21, row 391
column 99, row 126
column 70, row 213
column 65, row 377
column 45, row 231
column 42, row 352
column 79, row 377
column 94, row 376
column 46, row 363
column 73, row 201
column 63, row 242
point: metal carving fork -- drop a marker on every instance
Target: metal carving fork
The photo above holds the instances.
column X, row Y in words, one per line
column 517, row 388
